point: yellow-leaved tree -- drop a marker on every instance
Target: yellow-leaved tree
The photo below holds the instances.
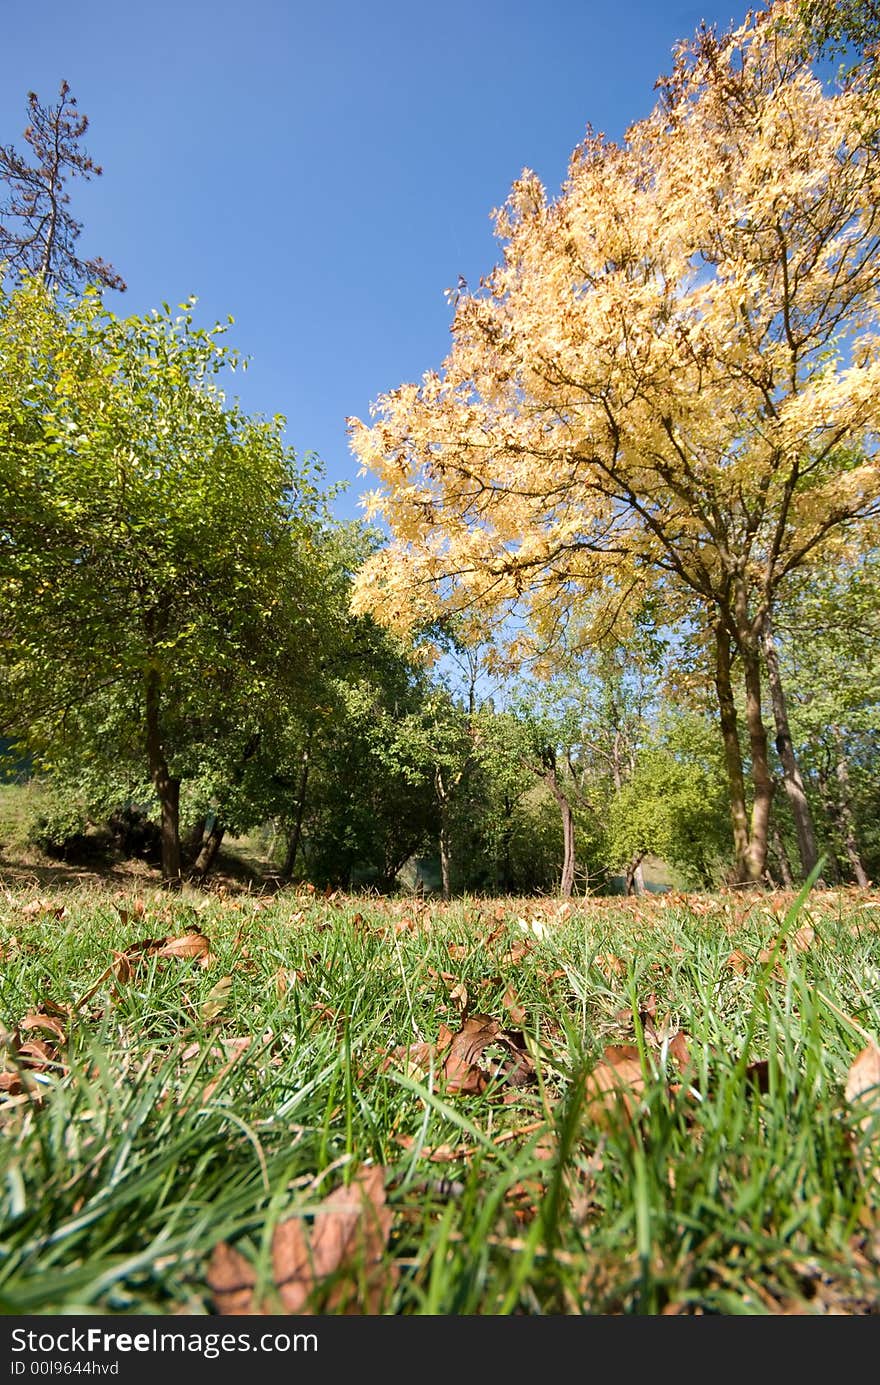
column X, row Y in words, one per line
column 671, row 379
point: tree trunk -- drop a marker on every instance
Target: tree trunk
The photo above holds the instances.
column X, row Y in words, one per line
column 832, row 815
column 296, row 834
column 845, row 815
column 506, row 839
column 204, row 862
column 166, row 785
column 781, row 856
column 195, row 837
column 566, row 883
column 732, row 751
column 634, row 877
column 794, row 784
column 444, row 857
column 762, row 779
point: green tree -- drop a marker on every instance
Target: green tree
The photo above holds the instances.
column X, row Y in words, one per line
column 830, row 652
column 149, row 533
column 674, row 805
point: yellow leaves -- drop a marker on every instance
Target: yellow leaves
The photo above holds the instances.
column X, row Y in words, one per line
column 624, row 352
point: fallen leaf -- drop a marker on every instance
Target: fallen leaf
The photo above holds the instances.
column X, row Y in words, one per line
column 804, row 938
column 42, row 908
column 343, row 1254
column 231, row 1280
column 234, row 1048
column 617, row 1081
column 459, row 996
column 758, row 1075
column 610, row 965
column 518, row 951
column 413, row 1059
column 121, row 968
column 216, row 1000
column 678, row 1050
column 863, row 1095
column 462, row 1069
column 864, row 1075
column 739, row 962
column 193, row 944
column 516, row 1012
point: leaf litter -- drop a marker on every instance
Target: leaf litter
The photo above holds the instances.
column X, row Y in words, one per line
column 337, row 1265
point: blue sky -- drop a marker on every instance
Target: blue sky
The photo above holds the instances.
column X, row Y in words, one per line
column 324, row 171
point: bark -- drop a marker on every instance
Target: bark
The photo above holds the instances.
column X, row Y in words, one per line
column 204, row 862
column 195, row 837
column 506, row 838
column 49, row 248
column 781, row 857
column 296, row 835
column 832, row 815
column 634, row 879
column 762, row 779
column 566, row 883
column 166, row 785
column 732, row 752
column 445, row 865
column 794, row 784
column 845, row 816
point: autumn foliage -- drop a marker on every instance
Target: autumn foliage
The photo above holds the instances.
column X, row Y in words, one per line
column 668, row 384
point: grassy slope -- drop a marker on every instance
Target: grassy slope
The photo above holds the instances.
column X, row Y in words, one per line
column 142, row 1145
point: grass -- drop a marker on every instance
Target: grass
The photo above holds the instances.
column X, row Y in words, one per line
column 743, row 1184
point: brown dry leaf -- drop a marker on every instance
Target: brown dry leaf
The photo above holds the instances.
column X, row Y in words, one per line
column 446, row 976
column 616, row 1081
column 50, row 1023
column 234, row 1048
column 518, row 951
column 864, row 1075
column 459, row 996
column 739, row 962
column 436, row 1154
column 192, row 943
column 758, row 1075
column 343, row 1252
column 351, row 1231
column 515, row 1012
column 121, row 968
column 462, row 1070
column 679, row 1051
column 863, row 1095
column 42, row 908
column 231, row 1280
column 36, row 1054
column 285, row 980
column 414, row 1060
column 610, row 965
column 804, row 938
